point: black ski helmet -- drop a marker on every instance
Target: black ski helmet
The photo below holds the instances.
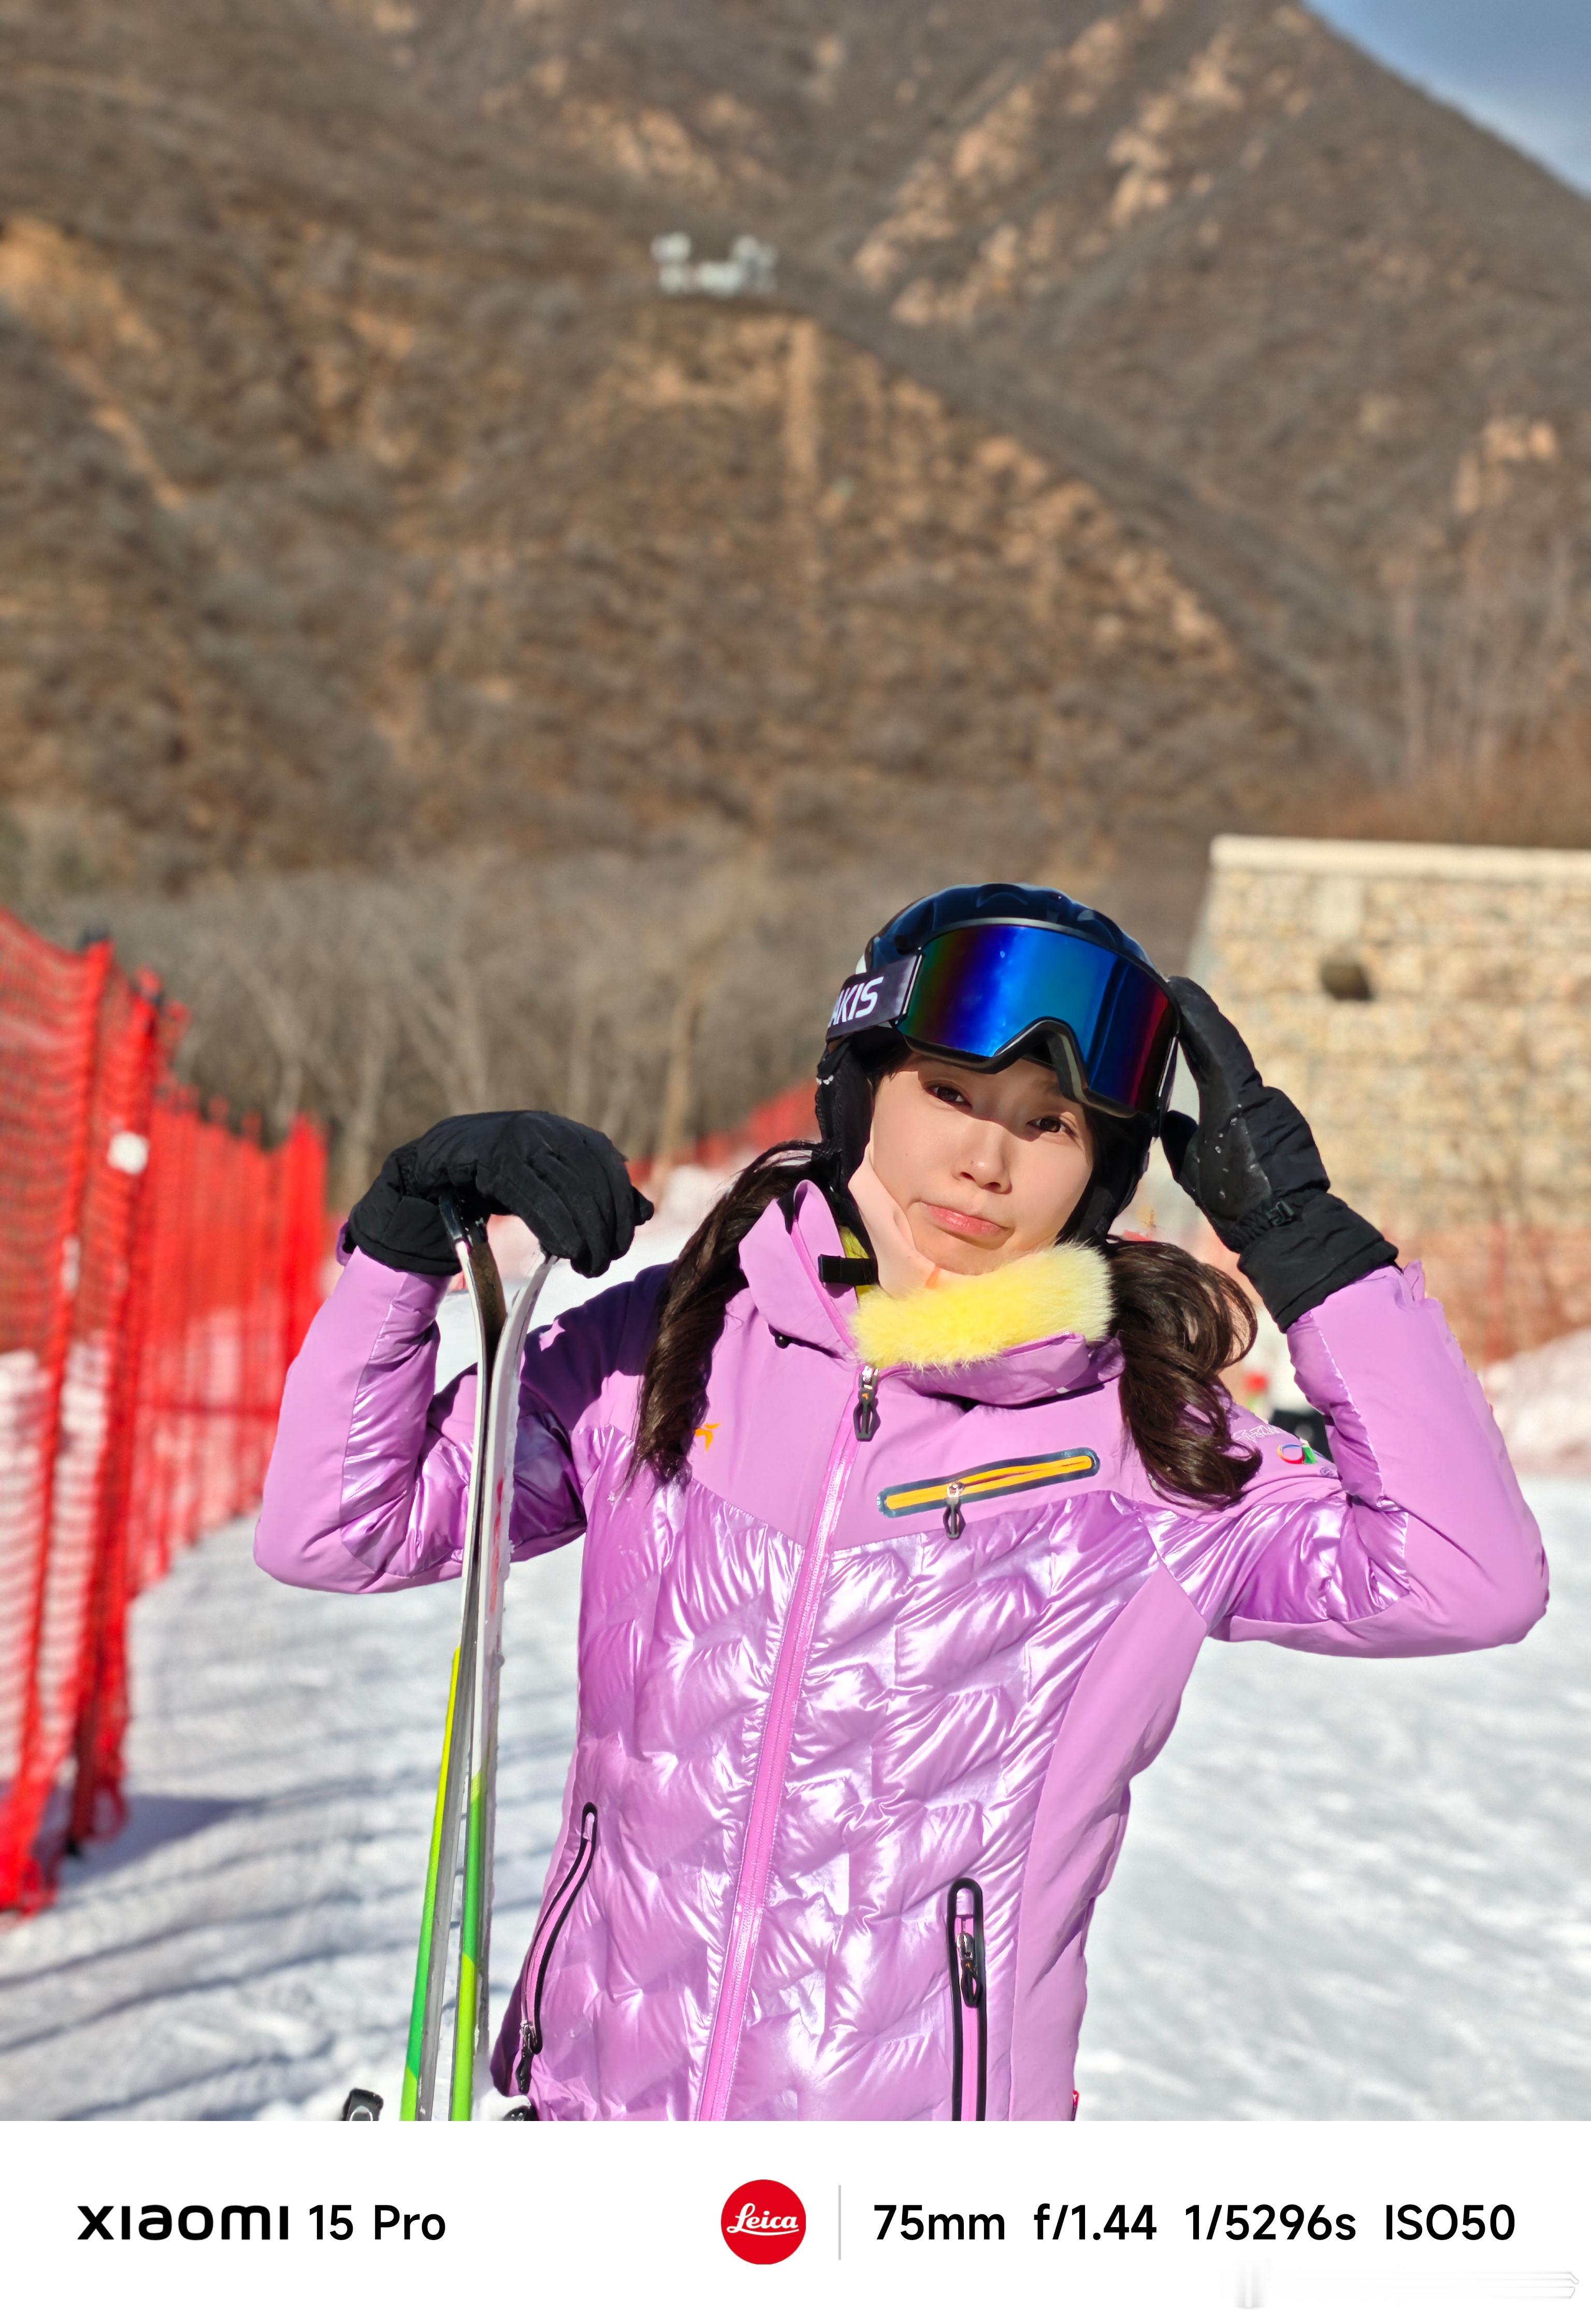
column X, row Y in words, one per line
column 951, row 1005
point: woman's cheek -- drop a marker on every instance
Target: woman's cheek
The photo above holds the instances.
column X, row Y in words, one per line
column 1055, row 1194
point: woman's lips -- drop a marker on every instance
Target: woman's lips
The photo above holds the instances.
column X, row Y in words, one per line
column 963, row 1223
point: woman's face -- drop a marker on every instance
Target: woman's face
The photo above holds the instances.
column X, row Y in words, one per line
column 985, row 1166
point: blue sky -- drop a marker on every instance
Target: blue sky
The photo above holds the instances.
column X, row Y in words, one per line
column 1521, row 67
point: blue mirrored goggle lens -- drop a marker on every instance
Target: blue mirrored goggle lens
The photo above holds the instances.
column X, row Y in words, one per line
column 979, row 990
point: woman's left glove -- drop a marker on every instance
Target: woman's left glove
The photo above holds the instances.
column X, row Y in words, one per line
column 568, row 1185
column 1251, row 1164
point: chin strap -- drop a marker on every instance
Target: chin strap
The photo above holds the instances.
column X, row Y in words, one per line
column 848, row 1273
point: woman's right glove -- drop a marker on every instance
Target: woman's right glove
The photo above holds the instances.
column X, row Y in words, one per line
column 568, row 1185
column 1251, row 1164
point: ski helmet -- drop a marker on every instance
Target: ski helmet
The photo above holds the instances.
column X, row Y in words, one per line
column 985, row 974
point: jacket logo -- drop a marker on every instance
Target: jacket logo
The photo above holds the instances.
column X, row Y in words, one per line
column 706, row 1432
column 987, row 1484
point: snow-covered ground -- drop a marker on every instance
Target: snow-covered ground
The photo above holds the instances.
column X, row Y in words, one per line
column 1362, row 1890
column 1349, row 1890
column 1542, row 1400
column 246, row 1947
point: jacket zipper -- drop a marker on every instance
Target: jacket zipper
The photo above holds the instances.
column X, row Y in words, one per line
column 865, row 1419
column 969, row 2002
column 773, row 1760
column 543, row 1943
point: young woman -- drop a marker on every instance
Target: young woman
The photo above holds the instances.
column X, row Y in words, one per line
column 909, row 1496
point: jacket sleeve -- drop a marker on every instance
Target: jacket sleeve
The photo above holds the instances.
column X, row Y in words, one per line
column 1414, row 1540
column 369, row 1478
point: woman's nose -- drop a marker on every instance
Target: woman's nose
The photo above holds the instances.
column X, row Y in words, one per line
column 984, row 1159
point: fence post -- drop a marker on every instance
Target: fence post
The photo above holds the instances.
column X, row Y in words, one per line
column 101, row 1721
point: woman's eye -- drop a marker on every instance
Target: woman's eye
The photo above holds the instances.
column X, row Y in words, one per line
column 947, row 1093
column 1048, row 1122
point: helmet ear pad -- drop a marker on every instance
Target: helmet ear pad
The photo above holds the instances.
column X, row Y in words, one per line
column 1121, row 1156
column 847, row 1074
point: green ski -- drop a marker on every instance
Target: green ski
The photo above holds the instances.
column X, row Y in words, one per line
column 469, row 1739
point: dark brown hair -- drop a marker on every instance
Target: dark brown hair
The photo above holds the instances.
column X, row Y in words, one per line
column 702, row 1281
column 1179, row 1323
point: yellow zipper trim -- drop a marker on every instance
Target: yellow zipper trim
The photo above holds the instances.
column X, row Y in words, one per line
column 983, row 1484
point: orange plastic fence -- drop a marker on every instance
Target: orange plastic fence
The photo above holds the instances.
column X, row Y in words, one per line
column 157, row 1273
column 789, row 1115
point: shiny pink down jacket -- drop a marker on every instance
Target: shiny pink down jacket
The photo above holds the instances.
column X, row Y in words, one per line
column 858, row 1716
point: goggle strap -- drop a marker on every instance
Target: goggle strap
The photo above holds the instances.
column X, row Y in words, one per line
column 874, row 999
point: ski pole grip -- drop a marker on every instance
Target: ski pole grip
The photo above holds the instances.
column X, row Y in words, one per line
column 464, row 1219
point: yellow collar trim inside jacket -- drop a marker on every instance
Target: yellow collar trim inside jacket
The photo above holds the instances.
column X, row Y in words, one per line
column 1050, row 1292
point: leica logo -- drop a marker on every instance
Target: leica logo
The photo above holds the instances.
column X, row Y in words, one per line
column 749, row 2221
column 763, row 2221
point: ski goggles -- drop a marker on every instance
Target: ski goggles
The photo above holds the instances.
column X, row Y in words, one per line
column 987, row 991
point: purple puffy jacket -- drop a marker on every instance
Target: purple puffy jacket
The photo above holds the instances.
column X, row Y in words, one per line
column 858, row 1714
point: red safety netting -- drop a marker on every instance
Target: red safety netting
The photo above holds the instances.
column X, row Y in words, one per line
column 157, row 1273
column 791, row 1114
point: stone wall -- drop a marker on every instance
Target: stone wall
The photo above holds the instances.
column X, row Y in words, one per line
column 1430, row 1008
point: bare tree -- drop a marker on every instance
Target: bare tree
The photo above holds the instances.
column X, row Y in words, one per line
column 1490, row 662
column 656, row 994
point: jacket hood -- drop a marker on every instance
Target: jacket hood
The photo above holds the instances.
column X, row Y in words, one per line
column 1030, row 1330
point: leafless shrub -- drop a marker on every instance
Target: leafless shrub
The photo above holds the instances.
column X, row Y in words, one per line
column 1487, row 664
column 658, row 998
column 1495, row 666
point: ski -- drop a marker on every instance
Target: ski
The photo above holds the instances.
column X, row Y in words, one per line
column 485, row 1286
column 472, row 2032
column 468, row 1761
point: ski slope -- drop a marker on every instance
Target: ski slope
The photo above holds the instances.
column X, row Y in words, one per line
column 1348, row 1890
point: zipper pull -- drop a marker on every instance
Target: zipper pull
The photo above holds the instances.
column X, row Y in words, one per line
column 865, row 1419
column 967, row 1949
column 527, row 2047
column 954, row 1523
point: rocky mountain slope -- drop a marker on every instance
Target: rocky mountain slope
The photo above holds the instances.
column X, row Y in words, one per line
column 1293, row 319
column 1139, row 393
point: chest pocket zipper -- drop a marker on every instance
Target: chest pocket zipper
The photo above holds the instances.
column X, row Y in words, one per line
column 969, row 2002
column 541, row 1944
column 992, row 1483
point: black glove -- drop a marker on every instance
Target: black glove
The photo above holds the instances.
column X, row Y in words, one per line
column 568, row 1185
column 1251, row 1164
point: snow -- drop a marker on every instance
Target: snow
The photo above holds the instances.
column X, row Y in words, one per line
column 1542, row 1400
column 1349, row 1890
column 1362, row 1890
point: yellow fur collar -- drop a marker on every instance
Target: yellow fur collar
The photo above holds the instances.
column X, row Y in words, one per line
column 972, row 1316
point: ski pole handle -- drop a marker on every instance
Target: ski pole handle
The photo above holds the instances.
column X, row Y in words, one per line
column 464, row 1218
